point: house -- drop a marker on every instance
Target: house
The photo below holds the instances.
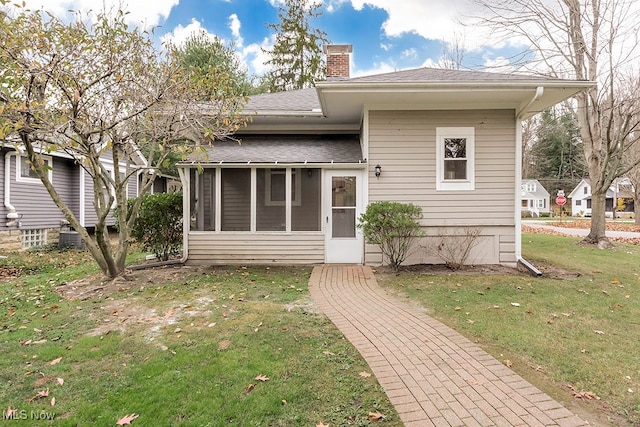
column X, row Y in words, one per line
column 311, row 160
column 28, row 216
column 620, row 189
column 534, row 198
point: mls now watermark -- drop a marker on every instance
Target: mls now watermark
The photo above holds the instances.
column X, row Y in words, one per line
column 22, row 415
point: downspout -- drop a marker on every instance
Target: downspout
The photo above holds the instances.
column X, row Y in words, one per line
column 186, row 220
column 517, row 214
column 12, row 215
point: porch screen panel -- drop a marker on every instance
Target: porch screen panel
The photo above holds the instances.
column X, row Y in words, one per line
column 271, row 201
column 236, row 199
column 209, row 199
column 306, row 215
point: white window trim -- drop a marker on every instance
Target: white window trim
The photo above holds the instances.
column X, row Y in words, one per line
column 30, row 180
column 443, row 184
column 288, row 174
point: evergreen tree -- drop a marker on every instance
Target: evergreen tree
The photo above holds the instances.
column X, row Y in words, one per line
column 557, row 153
column 296, row 58
column 209, row 58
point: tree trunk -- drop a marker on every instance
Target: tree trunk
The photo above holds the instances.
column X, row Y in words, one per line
column 597, row 233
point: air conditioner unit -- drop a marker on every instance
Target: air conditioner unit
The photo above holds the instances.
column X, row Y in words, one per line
column 70, row 240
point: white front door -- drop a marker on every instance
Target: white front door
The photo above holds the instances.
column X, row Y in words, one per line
column 343, row 205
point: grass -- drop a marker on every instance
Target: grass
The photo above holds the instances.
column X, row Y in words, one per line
column 176, row 347
column 581, row 331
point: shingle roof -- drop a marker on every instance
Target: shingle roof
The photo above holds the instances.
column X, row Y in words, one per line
column 287, row 149
column 293, row 100
column 440, row 74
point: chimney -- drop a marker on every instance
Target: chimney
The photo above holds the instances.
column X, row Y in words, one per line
column 338, row 60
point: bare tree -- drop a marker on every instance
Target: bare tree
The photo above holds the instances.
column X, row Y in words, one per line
column 453, row 53
column 594, row 40
column 93, row 88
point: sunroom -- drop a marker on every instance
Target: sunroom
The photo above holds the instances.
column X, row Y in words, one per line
column 274, row 199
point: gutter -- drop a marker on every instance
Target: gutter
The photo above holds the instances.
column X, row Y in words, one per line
column 530, row 267
column 518, row 204
column 536, row 96
column 12, row 215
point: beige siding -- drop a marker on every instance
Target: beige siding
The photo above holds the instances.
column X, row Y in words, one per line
column 495, row 245
column 403, row 143
column 256, row 248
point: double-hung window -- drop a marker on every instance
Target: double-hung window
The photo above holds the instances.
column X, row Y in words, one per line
column 25, row 173
column 455, row 167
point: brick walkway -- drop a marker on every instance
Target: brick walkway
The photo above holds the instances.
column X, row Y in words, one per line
column 432, row 375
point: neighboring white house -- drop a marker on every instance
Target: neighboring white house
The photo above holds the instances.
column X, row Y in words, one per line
column 581, row 197
column 534, row 198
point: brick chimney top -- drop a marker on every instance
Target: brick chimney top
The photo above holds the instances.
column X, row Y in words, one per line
column 338, row 60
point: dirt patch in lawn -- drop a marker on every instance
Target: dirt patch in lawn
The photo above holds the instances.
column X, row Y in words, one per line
column 98, row 286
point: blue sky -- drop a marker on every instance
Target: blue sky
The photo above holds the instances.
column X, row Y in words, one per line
column 386, row 35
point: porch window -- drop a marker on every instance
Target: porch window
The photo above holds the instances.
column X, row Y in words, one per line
column 455, row 158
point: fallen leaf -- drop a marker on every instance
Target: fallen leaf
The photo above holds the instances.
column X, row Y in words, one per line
column 364, row 374
column 508, row 363
column 322, row 425
column 53, row 401
column 615, row 281
column 376, row 416
column 328, row 353
column 586, row 395
column 515, row 304
column 224, row 344
column 458, row 308
column 248, row 389
column 126, row 420
column 599, row 332
column 60, row 381
column 471, row 322
column 55, row 361
column 261, row 378
column 41, row 393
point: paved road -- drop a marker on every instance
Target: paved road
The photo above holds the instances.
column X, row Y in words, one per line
column 580, row 232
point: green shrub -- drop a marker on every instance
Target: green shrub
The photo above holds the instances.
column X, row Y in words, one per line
column 159, row 224
column 393, row 226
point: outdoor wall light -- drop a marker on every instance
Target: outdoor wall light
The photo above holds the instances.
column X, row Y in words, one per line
column 378, row 170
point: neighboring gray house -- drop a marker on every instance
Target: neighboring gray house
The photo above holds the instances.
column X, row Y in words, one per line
column 311, row 160
column 534, row 198
column 28, row 216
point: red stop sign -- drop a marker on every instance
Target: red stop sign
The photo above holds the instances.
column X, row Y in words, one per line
column 561, row 200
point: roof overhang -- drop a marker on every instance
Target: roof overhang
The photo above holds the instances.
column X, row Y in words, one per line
column 342, row 100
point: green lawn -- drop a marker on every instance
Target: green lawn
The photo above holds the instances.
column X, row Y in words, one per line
column 576, row 328
column 190, row 347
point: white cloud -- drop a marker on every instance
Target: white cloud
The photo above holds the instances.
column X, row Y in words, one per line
column 254, row 56
column 180, row 34
column 433, row 19
column 377, row 68
column 144, row 13
column 234, row 26
column 411, row 53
